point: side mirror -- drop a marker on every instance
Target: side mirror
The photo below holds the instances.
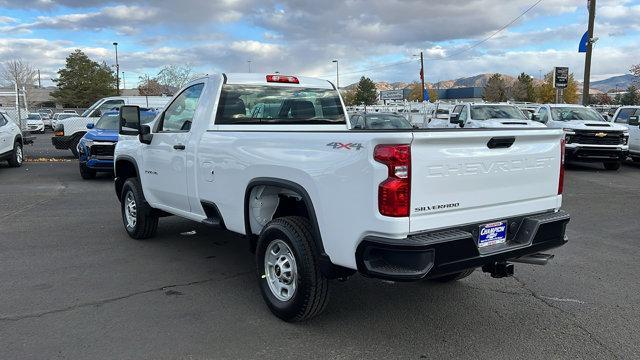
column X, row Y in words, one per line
column 357, row 127
column 145, row 134
column 97, row 113
column 535, row 117
column 129, row 120
column 633, row 120
column 454, row 118
column 90, row 126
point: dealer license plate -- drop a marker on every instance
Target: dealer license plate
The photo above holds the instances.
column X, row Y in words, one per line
column 492, row 234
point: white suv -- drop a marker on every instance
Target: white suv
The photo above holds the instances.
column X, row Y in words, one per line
column 10, row 141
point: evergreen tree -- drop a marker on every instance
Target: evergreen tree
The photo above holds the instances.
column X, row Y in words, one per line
column 83, row 81
column 366, row 92
column 496, row 89
column 631, row 97
column 523, row 89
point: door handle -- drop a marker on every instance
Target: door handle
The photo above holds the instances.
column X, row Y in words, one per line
column 501, row 142
column 178, row 147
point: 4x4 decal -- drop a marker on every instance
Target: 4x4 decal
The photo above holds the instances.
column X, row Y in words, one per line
column 346, row 146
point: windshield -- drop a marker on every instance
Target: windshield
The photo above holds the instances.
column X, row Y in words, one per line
column 90, row 109
column 110, row 121
column 257, row 104
column 33, row 117
column 484, row 112
column 575, row 113
column 64, row 116
column 385, row 121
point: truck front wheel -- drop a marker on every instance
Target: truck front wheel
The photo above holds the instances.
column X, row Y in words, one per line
column 138, row 217
column 614, row 165
column 288, row 270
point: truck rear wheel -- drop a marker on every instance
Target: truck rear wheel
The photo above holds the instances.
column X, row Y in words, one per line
column 613, row 165
column 138, row 217
column 454, row 276
column 288, row 270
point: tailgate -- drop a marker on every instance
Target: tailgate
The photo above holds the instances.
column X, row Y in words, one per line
column 462, row 177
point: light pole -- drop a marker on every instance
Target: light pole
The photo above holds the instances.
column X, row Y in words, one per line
column 124, row 83
column 337, row 75
column 587, row 58
column 421, row 75
column 115, row 44
column 249, row 62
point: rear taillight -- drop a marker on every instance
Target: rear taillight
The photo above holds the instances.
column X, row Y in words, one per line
column 283, row 79
column 561, row 180
column 394, row 194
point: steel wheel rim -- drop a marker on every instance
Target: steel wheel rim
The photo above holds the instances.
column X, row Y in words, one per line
column 130, row 210
column 19, row 155
column 280, row 270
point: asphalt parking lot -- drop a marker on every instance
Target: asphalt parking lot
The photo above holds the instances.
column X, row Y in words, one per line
column 74, row 285
column 43, row 150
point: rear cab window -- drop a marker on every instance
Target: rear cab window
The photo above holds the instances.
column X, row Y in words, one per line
column 283, row 104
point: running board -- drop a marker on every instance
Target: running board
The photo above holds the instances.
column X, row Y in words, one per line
column 535, row 259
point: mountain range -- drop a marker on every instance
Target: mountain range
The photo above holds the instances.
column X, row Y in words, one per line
column 619, row 82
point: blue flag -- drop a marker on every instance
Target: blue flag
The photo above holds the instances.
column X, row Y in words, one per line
column 583, row 43
column 425, row 93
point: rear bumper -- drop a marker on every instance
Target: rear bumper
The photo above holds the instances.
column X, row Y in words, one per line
column 592, row 153
column 433, row 254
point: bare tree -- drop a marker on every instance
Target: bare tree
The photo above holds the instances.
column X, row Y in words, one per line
column 175, row 76
column 18, row 72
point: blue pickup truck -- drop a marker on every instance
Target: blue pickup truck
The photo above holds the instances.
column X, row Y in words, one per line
column 95, row 149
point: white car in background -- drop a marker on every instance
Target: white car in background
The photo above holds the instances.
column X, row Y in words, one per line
column 490, row 116
column 588, row 136
column 10, row 141
column 628, row 116
column 35, row 123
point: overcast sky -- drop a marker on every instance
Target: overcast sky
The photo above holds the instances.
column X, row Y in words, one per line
column 303, row 37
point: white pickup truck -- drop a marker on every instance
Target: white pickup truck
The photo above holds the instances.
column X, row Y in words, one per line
column 319, row 200
column 69, row 130
column 588, row 136
column 628, row 116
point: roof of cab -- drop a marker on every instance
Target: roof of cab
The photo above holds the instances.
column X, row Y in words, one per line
column 261, row 79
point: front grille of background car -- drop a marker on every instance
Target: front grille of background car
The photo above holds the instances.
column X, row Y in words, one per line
column 590, row 138
column 102, row 150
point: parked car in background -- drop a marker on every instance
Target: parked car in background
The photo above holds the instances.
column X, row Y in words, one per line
column 95, row 149
column 472, row 115
column 628, row 116
column 35, row 123
column 438, row 116
column 60, row 116
column 318, row 200
column 69, row 131
column 11, row 141
column 379, row 121
column 588, row 136
column 70, row 112
column 47, row 115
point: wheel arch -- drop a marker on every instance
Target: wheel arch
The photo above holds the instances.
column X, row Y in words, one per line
column 125, row 167
column 18, row 139
column 286, row 185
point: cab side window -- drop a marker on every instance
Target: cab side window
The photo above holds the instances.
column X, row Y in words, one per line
column 543, row 115
column 463, row 114
column 623, row 115
column 179, row 115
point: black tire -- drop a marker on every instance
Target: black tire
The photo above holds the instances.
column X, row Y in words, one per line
column 453, row 277
column 146, row 222
column 87, row 173
column 614, row 165
column 17, row 156
column 312, row 289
